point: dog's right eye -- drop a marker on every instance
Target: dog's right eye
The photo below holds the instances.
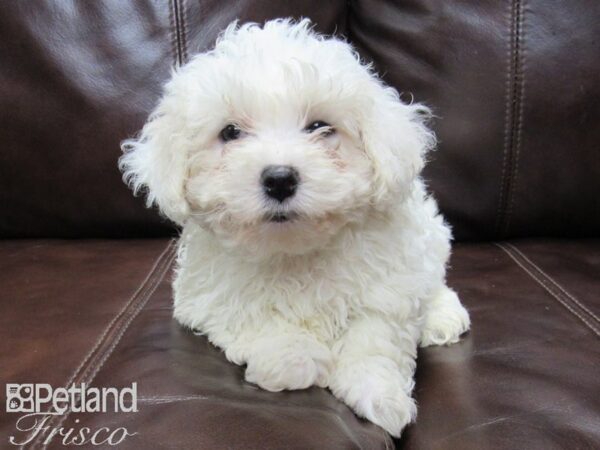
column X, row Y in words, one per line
column 230, row 133
column 317, row 125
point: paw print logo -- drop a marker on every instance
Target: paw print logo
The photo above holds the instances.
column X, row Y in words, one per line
column 19, row 398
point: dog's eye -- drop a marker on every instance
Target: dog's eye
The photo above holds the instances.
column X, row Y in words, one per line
column 317, row 125
column 230, row 133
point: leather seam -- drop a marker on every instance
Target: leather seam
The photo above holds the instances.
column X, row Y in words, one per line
column 556, row 284
column 542, row 283
column 178, row 24
column 507, row 110
column 178, row 31
column 118, row 333
column 173, row 33
column 184, row 46
column 511, row 116
column 114, row 331
column 134, row 312
column 520, row 101
column 109, row 327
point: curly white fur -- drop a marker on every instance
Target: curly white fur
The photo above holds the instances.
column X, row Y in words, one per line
column 341, row 296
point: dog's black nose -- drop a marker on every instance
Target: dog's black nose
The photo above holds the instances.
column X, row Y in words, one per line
column 279, row 182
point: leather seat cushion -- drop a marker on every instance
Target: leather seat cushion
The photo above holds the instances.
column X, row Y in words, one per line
column 100, row 312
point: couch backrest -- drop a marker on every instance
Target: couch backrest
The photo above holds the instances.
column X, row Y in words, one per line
column 515, row 86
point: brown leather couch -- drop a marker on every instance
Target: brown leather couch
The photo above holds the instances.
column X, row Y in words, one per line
column 85, row 268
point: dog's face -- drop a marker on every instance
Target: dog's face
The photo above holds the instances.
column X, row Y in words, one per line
column 275, row 140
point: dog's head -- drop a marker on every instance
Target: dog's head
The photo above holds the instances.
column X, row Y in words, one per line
column 277, row 139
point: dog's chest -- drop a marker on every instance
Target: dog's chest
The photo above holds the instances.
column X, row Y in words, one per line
column 320, row 295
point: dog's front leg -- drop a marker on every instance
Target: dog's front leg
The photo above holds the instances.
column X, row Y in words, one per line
column 281, row 356
column 375, row 363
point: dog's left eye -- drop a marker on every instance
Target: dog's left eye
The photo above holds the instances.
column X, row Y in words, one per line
column 230, row 133
column 318, row 124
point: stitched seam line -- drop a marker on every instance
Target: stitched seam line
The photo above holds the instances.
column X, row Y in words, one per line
column 183, row 21
column 518, row 125
column 511, row 117
column 173, row 34
column 116, row 327
column 134, row 311
column 178, row 21
column 142, row 293
column 542, row 283
column 121, row 313
column 507, row 118
column 151, row 287
column 555, row 283
column 177, row 31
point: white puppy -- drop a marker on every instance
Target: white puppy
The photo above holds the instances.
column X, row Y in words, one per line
column 310, row 249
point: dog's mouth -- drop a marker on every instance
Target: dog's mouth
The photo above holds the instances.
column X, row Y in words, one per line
column 280, row 217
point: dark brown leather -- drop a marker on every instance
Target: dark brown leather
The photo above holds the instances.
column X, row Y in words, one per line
column 514, row 86
column 76, row 78
column 524, row 377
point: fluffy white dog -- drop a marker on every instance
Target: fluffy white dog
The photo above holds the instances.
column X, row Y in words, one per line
column 310, row 249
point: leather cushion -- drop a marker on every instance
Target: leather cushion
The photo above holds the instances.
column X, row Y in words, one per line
column 100, row 312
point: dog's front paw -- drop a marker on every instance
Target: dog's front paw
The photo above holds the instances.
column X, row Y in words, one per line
column 288, row 362
column 445, row 320
column 379, row 396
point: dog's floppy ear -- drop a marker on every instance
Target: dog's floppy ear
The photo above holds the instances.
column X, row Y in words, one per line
column 155, row 162
column 396, row 139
